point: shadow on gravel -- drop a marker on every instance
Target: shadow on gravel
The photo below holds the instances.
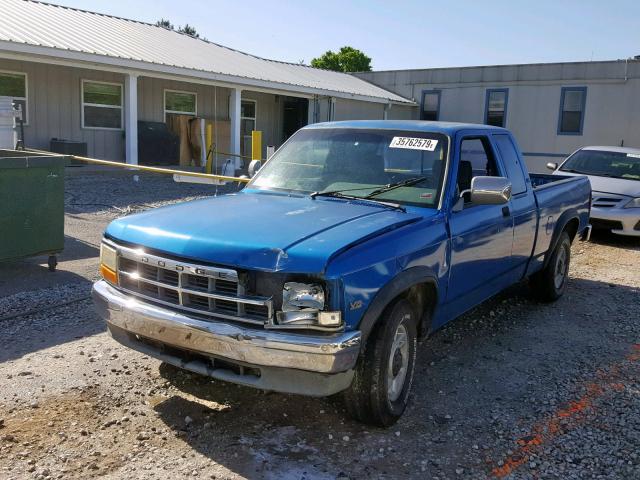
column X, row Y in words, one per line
column 48, row 327
column 480, row 381
column 30, row 274
column 604, row 237
column 77, row 249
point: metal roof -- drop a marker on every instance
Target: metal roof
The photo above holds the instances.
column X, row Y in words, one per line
column 58, row 31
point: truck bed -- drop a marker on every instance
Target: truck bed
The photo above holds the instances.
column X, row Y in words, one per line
column 542, row 180
column 555, row 196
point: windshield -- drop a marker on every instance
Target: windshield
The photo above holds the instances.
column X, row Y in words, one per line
column 360, row 162
column 604, row 164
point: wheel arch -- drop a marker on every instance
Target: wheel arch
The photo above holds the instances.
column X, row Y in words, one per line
column 568, row 222
column 418, row 284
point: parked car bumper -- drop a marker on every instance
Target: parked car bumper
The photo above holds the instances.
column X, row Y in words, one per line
column 316, row 365
column 622, row 221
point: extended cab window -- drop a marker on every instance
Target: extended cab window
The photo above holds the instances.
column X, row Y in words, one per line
column 511, row 163
column 476, row 159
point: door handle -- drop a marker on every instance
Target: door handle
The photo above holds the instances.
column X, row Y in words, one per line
column 505, row 211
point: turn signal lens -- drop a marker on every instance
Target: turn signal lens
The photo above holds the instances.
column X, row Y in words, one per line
column 109, row 263
column 108, row 274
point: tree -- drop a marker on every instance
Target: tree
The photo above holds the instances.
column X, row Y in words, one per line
column 347, row 59
column 189, row 30
column 164, row 24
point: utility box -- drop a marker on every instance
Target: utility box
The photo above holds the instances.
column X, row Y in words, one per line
column 31, row 205
column 69, row 147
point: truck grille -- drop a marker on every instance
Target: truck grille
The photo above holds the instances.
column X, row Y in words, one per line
column 204, row 290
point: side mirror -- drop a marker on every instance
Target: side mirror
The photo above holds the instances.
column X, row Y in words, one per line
column 552, row 166
column 490, row 190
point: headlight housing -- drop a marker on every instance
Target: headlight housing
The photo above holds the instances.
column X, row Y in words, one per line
column 109, row 263
column 634, row 203
column 301, row 296
column 303, row 305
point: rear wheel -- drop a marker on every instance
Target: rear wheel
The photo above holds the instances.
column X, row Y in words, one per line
column 380, row 390
column 550, row 283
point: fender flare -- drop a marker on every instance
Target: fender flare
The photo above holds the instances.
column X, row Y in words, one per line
column 399, row 284
column 561, row 225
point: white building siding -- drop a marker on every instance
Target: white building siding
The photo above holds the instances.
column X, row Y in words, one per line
column 612, row 107
column 53, row 107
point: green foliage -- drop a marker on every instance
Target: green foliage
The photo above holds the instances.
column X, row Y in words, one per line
column 164, row 24
column 347, row 59
column 186, row 29
column 189, row 30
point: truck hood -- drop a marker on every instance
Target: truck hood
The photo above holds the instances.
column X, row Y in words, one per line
column 258, row 230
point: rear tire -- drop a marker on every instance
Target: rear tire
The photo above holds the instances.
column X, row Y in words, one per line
column 382, row 383
column 550, row 283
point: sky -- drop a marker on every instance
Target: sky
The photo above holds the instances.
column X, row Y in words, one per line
column 404, row 34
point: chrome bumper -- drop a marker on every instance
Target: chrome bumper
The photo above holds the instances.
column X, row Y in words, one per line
column 326, row 354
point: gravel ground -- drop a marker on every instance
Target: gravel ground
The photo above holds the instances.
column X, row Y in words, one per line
column 514, row 389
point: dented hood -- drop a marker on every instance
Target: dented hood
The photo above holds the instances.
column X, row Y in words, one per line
column 259, row 230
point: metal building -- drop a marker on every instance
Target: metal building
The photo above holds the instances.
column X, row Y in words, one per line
column 91, row 77
column 552, row 108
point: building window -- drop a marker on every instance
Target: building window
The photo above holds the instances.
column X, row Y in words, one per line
column 181, row 103
column 572, row 103
column 247, row 124
column 495, row 110
column 430, row 105
column 14, row 85
column 101, row 105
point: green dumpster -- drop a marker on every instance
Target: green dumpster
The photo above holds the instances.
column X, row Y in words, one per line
column 31, row 205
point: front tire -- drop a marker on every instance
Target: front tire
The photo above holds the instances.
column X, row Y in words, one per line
column 550, row 283
column 382, row 383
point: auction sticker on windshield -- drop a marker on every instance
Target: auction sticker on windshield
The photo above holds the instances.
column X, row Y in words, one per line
column 411, row 143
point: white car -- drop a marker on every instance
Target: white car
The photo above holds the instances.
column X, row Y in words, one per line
column 614, row 173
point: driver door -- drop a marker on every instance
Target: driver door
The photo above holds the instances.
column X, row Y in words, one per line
column 481, row 235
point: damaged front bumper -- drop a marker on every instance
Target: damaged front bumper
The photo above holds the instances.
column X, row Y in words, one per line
column 316, row 365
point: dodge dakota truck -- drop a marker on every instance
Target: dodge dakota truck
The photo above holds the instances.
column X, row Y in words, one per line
column 354, row 241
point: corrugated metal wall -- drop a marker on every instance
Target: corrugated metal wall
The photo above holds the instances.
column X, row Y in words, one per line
column 53, row 104
column 151, row 99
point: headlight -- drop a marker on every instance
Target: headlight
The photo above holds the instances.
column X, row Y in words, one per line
column 298, row 296
column 108, row 263
column 302, row 306
column 635, row 203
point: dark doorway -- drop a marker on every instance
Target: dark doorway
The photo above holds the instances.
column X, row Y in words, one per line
column 295, row 115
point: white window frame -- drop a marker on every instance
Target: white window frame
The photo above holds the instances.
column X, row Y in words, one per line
column 26, row 92
column 83, row 104
column 254, row 118
column 164, row 103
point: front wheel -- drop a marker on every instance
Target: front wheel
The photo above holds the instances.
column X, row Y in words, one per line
column 550, row 283
column 380, row 390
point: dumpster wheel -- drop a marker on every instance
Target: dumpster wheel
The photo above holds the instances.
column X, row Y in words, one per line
column 52, row 262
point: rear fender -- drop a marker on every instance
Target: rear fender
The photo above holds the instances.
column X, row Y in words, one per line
column 561, row 225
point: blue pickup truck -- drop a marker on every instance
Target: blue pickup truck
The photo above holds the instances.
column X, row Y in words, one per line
column 353, row 242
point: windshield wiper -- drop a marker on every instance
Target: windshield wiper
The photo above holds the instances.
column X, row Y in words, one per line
column 339, row 194
column 392, row 186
